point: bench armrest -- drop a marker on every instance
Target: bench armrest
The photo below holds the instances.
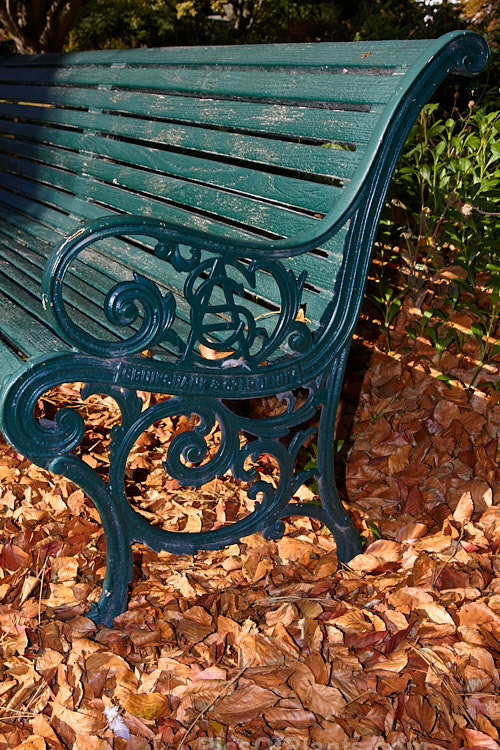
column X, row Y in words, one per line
column 193, row 264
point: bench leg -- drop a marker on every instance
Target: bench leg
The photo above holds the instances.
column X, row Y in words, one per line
column 119, row 560
column 338, row 521
column 331, row 512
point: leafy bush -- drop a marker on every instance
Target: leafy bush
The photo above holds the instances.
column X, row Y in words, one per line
column 447, row 192
column 442, row 222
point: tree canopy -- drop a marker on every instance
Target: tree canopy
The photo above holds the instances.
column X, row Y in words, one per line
column 47, row 25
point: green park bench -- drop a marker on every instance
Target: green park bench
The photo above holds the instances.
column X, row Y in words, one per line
column 197, row 222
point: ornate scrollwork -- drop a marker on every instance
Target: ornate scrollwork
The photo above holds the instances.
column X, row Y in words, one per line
column 171, row 251
column 121, row 308
column 232, row 323
column 187, row 458
column 221, row 323
column 217, row 289
column 300, row 340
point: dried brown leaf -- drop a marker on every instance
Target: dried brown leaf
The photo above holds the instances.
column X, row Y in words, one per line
column 478, row 740
column 149, row 707
column 89, row 721
column 244, row 704
column 465, row 508
column 395, row 662
column 326, row 701
column 13, row 557
column 32, row 743
column 280, row 718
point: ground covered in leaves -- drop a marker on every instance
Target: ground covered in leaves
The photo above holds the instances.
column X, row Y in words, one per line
column 269, row 644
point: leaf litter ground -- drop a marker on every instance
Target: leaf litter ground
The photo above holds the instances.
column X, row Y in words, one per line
column 268, row 644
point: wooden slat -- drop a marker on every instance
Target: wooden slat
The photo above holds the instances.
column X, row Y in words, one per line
column 34, row 337
column 242, row 179
column 84, row 210
column 238, row 133
column 94, row 273
column 382, row 54
column 105, row 175
column 43, row 198
column 178, row 196
column 22, row 272
column 23, row 214
column 284, row 121
column 251, row 214
column 245, row 181
column 84, row 290
column 351, row 89
column 78, row 208
column 10, row 360
column 85, row 302
column 250, row 151
column 20, row 323
column 321, row 270
column 320, row 274
column 226, row 140
column 47, row 197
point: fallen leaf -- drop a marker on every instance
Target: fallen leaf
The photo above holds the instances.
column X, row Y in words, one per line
column 148, row 707
column 477, row 739
column 32, row 743
column 465, row 508
column 243, row 705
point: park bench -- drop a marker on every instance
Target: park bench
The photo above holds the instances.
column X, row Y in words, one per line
column 197, row 223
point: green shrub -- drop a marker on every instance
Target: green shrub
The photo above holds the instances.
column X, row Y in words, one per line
column 447, row 192
column 444, row 212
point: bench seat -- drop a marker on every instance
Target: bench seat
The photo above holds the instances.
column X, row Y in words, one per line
column 197, row 222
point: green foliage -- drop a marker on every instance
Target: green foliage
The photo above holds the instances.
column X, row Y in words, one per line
column 397, row 19
column 317, row 20
column 447, row 192
column 388, row 301
column 439, row 335
column 255, row 21
column 109, row 24
column 131, row 23
column 444, row 211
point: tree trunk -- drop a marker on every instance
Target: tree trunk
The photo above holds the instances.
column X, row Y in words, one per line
column 38, row 25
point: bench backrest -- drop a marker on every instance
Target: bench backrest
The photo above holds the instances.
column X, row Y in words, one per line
column 273, row 144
